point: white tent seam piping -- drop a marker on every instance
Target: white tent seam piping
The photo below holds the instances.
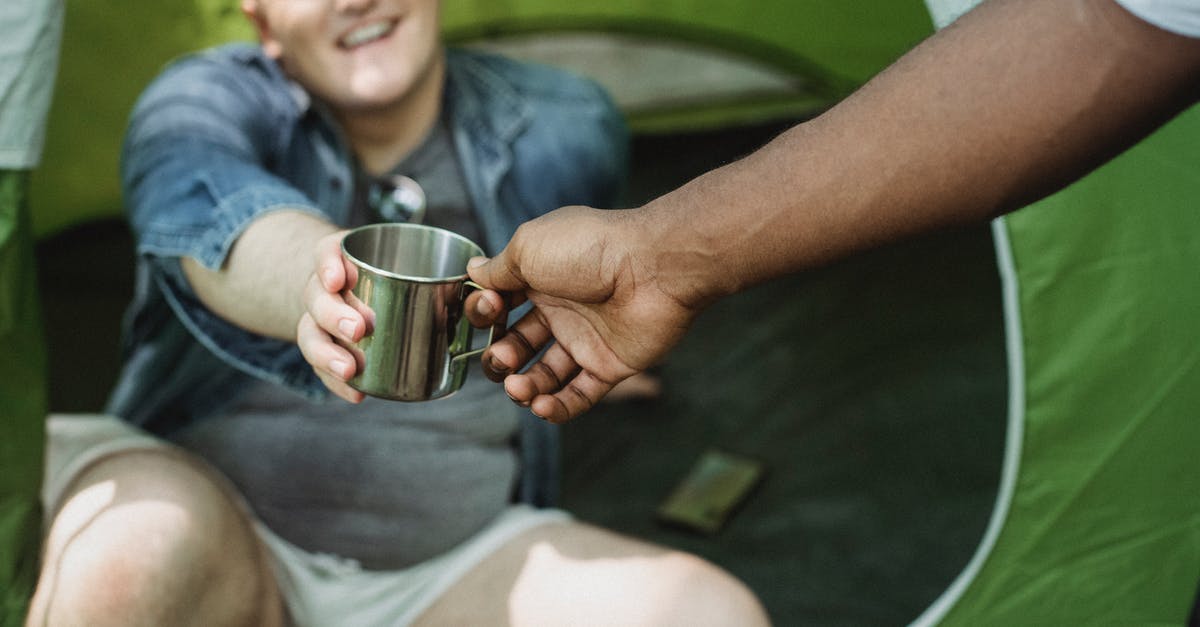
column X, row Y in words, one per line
column 1014, row 345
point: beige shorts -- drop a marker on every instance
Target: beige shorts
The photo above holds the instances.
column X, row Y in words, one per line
column 318, row 589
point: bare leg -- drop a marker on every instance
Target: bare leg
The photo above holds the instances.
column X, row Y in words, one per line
column 576, row 574
column 148, row 538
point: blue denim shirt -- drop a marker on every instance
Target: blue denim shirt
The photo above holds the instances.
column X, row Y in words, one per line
column 222, row 137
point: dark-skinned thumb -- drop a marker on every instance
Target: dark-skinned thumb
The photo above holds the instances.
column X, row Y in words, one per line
column 497, row 273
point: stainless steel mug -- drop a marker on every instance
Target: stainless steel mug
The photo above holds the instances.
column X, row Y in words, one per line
column 412, row 280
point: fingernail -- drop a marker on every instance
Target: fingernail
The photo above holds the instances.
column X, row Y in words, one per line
column 511, row 398
column 346, row 326
column 495, row 366
column 475, row 262
column 340, row 368
column 330, row 276
column 484, row 307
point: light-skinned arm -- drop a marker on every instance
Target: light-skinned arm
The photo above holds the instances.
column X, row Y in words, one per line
column 283, row 279
column 1010, row 103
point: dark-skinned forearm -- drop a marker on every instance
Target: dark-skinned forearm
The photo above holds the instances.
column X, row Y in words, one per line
column 1012, row 102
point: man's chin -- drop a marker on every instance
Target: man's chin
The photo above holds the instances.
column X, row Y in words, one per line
column 370, row 101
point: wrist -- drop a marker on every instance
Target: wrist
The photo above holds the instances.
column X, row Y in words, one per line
column 683, row 261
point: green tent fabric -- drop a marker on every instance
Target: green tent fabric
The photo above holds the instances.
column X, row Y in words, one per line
column 849, row 41
column 22, row 402
column 1098, row 520
column 822, row 48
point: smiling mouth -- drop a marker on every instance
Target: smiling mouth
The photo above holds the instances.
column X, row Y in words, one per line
column 366, row 34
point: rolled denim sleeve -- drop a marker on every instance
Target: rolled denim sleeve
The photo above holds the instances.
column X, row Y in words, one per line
column 195, row 173
column 194, row 167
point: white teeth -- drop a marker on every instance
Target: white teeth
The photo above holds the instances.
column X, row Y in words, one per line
column 368, row 33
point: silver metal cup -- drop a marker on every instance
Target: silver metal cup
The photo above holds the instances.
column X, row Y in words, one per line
column 412, row 281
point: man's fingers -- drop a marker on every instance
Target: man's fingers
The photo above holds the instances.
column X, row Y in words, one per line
column 333, row 364
column 520, row 389
column 484, row 308
column 340, row 388
column 328, row 316
column 547, row 375
column 555, row 388
column 550, row 373
column 331, row 313
column 332, row 268
column 520, row 343
column 576, row 397
column 321, row 351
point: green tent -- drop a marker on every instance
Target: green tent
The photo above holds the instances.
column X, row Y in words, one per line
column 1096, row 515
column 22, row 402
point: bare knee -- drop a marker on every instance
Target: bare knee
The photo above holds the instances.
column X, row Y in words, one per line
column 578, row 574
column 704, row 594
column 146, row 537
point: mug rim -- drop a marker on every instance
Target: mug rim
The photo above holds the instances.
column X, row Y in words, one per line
column 406, row 226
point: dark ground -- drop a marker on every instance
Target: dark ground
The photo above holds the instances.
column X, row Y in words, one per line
column 872, row 389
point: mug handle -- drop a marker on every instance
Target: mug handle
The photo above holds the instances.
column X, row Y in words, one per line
column 494, row 333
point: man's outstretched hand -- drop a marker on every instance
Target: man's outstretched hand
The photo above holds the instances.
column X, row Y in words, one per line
column 600, row 305
column 329, row 323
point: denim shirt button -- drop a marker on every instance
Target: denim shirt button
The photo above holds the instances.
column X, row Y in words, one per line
column 336, row 184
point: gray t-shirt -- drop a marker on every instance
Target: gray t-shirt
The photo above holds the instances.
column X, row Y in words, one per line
column 434, row 165
column 386, row 483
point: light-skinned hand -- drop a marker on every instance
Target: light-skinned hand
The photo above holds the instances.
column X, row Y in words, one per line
column 329, row 321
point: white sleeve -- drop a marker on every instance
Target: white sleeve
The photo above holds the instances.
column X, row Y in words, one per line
column 1177, row 16
column 29, row 34
column 945, row 11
